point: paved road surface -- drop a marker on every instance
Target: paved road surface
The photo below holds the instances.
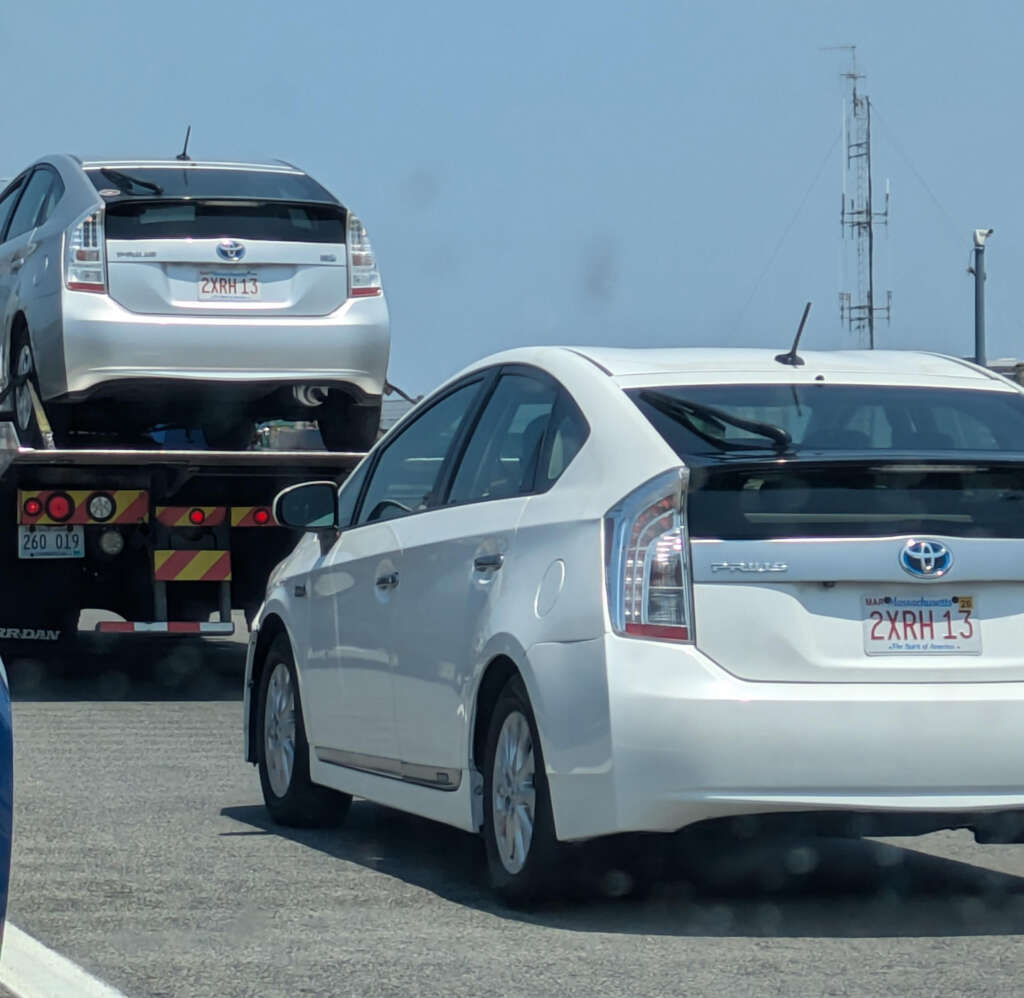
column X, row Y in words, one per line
column 142, row 852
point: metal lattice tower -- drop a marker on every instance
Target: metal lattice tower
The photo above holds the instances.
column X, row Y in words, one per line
column 859, row 219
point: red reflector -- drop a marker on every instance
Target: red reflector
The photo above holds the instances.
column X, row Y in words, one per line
column 658, row 631
column 83, row 286
column 59, row 507
column 196, row 516
column 365, row 292
column 32, row 507
column 261, row 516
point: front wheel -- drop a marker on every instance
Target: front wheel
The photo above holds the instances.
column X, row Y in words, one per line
column 519, row 829
column 283, row 752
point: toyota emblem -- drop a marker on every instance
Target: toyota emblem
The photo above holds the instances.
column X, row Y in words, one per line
column 231, row 250
column 925, row 559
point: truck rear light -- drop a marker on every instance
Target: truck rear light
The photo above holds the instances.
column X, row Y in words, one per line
column 363, row 275
column 100, row 506
column 261, row 517
column 196, row 517
column 85, row 266
column 32, row 507
column 60, row 506
column 647, row 561
column 111, row 542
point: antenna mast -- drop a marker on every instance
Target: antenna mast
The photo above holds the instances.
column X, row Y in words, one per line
column 858, row 217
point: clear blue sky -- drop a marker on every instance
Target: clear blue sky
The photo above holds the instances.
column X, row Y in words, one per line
column 586, row 172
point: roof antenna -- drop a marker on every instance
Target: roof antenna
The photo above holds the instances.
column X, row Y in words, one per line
column 184, row 150
column 792, row 358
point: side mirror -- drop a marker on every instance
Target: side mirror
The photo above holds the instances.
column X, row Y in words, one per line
column 310, row 506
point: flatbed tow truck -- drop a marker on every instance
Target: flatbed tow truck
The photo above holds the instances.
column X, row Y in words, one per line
column 170, row 541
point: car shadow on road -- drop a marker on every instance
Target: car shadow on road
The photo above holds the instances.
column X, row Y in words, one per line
column 774, row 887
column 114, row 667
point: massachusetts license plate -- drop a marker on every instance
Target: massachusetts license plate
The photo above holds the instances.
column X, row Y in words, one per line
column 931, row 624
column 229, row 285
column 51, row 542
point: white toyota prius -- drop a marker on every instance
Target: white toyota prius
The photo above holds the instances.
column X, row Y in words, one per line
column 581, row 592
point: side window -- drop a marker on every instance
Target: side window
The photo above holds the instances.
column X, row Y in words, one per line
column 503, row 453
column 7, row 203
column 24, row 217
column 349, row 495
column 52, row 199
column 567, row 435
column 407, row 472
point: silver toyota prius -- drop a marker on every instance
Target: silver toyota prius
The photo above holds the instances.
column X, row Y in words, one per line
column 140, row 294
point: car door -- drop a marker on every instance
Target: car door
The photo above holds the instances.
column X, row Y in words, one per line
column 356, row 593
column 455, row 564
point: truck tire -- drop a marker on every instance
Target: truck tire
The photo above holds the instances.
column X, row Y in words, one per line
column 346, row 426
column 23, row 370
column 282, row 750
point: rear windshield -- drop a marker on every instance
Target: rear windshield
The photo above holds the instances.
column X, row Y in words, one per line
column 274, row 221
column 829, row 418
column 200, row 182
column 858, row 499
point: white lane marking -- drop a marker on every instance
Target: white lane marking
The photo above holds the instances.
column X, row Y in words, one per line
column 32, row 970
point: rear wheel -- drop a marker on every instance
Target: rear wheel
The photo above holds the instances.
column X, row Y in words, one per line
column 346, row 426
column 283, row 752
column 22, row 373
column 229, row 435
column 519, row 830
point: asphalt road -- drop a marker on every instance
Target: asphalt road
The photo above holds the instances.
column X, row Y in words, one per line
column 142, row 852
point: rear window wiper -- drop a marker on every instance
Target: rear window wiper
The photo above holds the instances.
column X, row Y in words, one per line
column 684, row 411
column 124, row 180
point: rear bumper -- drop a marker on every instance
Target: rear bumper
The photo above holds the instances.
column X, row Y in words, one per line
column 685, row 742
column 105, row 343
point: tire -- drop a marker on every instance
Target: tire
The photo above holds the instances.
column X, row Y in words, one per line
column 520, row 875
column 345, row 426
column 22, row 365
column 291, row 797
column 235, row 435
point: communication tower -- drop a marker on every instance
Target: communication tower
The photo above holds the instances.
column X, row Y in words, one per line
column 859, row 219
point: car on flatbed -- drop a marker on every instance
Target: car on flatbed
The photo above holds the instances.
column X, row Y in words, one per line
column 583, row 592
column 177, row 293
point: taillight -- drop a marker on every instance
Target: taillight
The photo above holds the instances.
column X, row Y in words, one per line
column 647, row 561
column 85, row 267
column 363, row 275
column 59, row 507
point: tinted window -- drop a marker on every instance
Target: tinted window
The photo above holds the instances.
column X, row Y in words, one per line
column 504, row 451
column 7, row 204
column 836, row 418
column 31, row 203
column 566, row 436
column 306, row 223
column 408, row 471
column 52, row 199
column 349, row 495
column 204, row 182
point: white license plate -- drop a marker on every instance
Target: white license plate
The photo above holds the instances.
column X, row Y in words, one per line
column 51, row 542
column 229, row 285
column 930, row 624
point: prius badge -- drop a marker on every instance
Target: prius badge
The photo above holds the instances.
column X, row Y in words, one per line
column 231, row 250
column 752, row 567
column 925, row 559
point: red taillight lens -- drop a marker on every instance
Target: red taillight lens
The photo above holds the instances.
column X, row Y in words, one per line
column 85, row 267
column 363, row 274
column 261, row 517
column 32, row 507
column 647, row 564
column 60, row 506
column 196, row 516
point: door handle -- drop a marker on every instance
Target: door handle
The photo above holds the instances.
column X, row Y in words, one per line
column 488, row 562
column 17, row 263
column 389, row 581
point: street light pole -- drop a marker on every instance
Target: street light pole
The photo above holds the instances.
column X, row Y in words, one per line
column 980, row 235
